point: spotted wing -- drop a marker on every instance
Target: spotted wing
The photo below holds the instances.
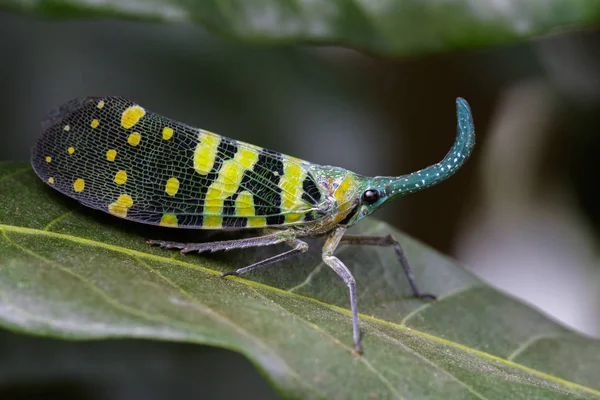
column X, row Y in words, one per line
column 113, row 155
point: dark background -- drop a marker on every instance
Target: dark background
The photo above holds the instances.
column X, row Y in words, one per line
column 523, row 213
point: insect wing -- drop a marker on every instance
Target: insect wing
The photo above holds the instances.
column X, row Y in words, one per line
column 113, row 155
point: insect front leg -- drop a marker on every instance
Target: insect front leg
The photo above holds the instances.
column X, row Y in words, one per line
column 224, row 245
column 390, row 241
column 334, row 263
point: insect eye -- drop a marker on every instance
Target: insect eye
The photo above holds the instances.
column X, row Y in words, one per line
column 371, row 196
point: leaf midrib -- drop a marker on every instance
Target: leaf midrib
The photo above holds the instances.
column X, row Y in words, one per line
column 140, row 254
column 133, row 311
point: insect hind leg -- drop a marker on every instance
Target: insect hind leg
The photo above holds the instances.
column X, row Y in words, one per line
column 225, row 245
column 299, row 247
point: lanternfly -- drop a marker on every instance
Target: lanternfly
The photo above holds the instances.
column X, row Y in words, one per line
column 113, row 155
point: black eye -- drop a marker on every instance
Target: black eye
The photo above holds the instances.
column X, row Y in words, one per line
column 370, row 196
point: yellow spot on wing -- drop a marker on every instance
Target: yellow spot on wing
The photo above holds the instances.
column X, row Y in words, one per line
column 100, row 104
column 228, row 181
column 167, row 133
column 125, row 200
column 291, row 190
column 132, row 116
column 206, row 152
column 256, row 222
column 169, row 220
column 247, row 157
column 51, row 180
column 212, row 222
column 344, row 194
column 94, row 123
column 120, row 207
column 345, row 191
column 79, row 185
column 71, row 150
column 294, row 217
column 48, row 159
column 244, row 204
column 172, row 186
column 121, row 177
column 134, row 139
column 67, row 128
column 111, row 154
column 244, row 207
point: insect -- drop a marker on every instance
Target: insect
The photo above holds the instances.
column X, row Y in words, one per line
column 114, row 155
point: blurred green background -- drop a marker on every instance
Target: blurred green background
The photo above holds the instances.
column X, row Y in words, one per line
column 523, row 213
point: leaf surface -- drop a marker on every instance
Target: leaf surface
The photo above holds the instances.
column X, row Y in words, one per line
column 69, row 272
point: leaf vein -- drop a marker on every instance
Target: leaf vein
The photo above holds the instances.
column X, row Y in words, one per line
column 530, row 342
column 13, row 174
column 424, row 306
column 336, row 341
column 225, row 321
column 32, row 231
column 438, row 367
column 55, row 220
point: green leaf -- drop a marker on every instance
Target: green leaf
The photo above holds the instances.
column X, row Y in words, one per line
column 69, row 272
column 401, row 28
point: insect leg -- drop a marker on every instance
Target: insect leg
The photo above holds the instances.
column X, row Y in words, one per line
column 390, row 241
column 259, row 241
column 334, row 263
column 299, row 247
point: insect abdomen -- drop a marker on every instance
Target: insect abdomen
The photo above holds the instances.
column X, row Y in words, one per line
column 113, row 155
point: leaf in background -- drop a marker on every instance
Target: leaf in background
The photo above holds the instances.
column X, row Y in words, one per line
column 69, row 272
column 400, row 28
